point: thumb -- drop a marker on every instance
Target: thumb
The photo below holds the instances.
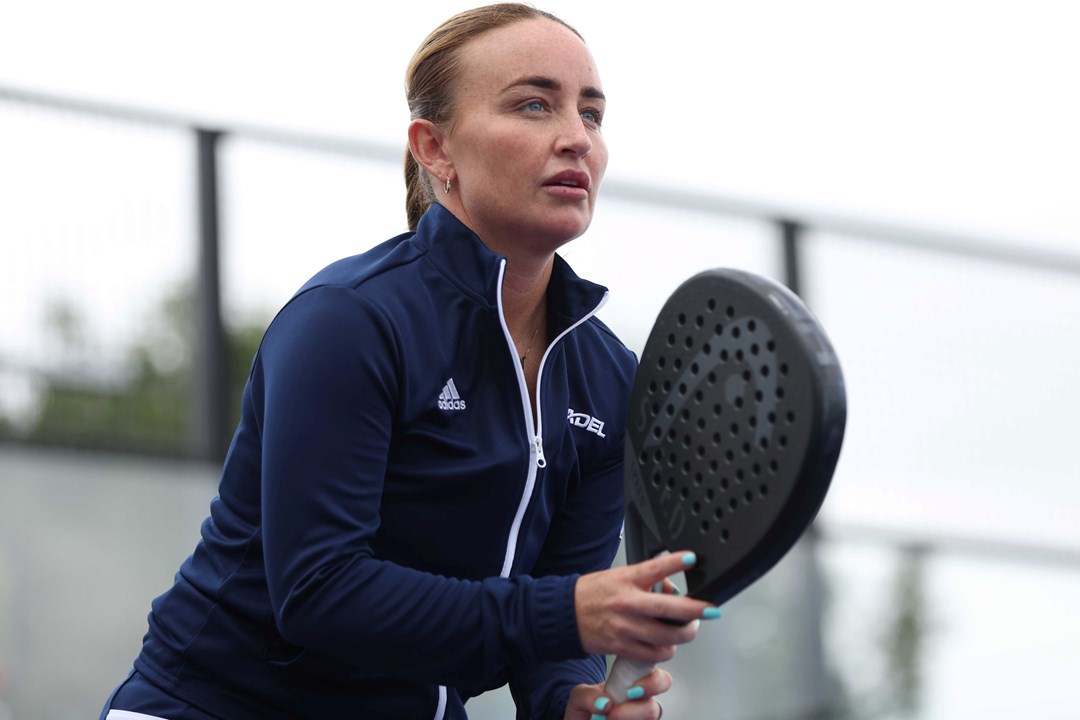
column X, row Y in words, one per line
column 587, row 701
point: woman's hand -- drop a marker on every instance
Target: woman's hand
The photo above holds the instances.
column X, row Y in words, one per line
column 588, row 701
column 618, row 614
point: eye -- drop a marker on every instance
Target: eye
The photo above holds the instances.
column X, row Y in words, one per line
column 534, row 106
column 593, row 116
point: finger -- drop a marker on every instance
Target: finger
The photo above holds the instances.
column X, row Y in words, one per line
column 587, row 701
column 671, row 588
column 647, row 653
column 646, row 709
column 657, row 632
column 650, row 572
column 676, row 608
column 641, row 701
column 655, row 683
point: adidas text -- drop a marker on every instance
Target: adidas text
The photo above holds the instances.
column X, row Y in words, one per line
column 449, row 398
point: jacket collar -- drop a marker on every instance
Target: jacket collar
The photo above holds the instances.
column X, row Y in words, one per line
column 461, row 255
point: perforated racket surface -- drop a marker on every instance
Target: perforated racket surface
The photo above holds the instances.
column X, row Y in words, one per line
column 736, row 420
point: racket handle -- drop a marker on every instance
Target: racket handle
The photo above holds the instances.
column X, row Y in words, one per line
column 624, row 673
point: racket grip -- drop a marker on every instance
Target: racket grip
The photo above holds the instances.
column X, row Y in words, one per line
column 624, row 673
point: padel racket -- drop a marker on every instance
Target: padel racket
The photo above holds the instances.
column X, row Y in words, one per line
column 737, row 415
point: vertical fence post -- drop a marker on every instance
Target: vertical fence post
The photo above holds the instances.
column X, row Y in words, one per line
column 791, row 235
column 207, row 433
column 815, row 669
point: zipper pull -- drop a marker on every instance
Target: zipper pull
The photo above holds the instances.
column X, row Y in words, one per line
column 538, row 443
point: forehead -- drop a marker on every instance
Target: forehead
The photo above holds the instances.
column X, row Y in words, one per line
column 538, row 47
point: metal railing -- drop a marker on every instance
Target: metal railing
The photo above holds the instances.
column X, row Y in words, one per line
column 209, row 435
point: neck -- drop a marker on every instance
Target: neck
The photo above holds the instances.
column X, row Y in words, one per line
column 523, row 292
column 524, row 295
column 529, row 259
column 528, row 270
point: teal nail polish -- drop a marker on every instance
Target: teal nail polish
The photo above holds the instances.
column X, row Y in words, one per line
column 711, row 613
column 601, row 703
column 689, row 559
column 675, row 589
column 596, row 717
column 635, row 693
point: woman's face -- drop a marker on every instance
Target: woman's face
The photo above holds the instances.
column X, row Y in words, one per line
column 524, row 143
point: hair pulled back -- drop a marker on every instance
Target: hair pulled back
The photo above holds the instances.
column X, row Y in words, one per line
column 431, row 78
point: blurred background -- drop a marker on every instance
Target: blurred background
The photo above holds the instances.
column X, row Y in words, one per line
column 171, row 172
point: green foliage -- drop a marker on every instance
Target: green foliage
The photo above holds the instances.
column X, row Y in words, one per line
column 150, row 411
column 904, row 638
column 895, row 689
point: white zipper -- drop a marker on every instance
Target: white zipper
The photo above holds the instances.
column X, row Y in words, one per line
column 538, row 443
column 536, row 451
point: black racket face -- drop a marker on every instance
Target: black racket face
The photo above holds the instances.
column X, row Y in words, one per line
column 736, row 419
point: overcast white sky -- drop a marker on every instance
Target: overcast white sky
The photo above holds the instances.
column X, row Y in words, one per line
column 953, row 114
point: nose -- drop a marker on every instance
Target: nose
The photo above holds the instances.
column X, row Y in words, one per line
column 574, row 137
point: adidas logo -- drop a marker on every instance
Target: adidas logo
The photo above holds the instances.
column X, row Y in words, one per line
column 449, row 398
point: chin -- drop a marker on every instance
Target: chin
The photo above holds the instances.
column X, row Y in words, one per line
column 549, row 229
column 570, row 229
column 565, row 235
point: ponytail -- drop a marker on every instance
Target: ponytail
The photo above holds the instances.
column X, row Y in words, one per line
column 418, row 194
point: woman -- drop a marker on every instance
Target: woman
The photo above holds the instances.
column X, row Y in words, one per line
column 406, row 517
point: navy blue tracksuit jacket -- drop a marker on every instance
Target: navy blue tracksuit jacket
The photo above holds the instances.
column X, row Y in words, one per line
column 393, row 534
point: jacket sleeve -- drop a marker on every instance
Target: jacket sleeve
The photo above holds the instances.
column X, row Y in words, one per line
column 324, row 388
column 584, row 538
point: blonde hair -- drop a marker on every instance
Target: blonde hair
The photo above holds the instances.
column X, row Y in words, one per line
column 432, row 75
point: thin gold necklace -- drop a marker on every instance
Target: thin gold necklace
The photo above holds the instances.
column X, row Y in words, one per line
column 528, row 348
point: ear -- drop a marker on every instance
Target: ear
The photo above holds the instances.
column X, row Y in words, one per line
column 427, row 143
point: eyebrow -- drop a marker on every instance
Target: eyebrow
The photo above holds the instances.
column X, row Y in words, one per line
column 547, row 83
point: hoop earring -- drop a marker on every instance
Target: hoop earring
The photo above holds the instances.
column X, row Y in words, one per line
column 447, row 184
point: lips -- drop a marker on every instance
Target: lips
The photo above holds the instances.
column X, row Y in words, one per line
column 569, row 178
